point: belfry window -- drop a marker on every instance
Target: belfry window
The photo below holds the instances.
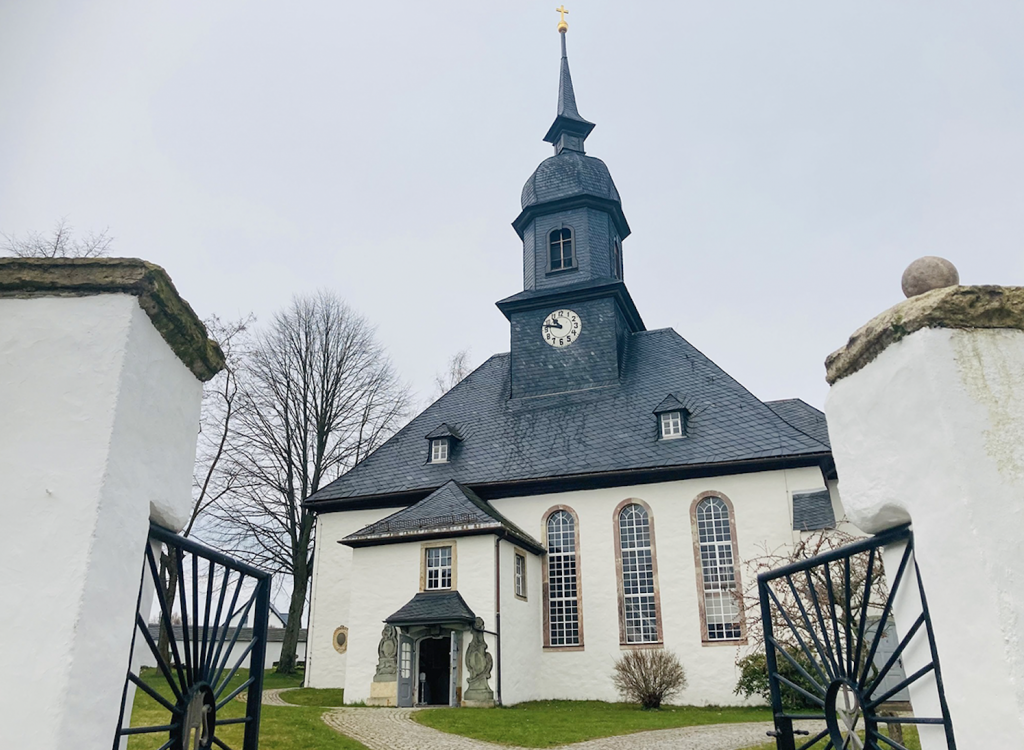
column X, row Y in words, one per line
column 617, row 258
column 560, row 243
column 718, row 575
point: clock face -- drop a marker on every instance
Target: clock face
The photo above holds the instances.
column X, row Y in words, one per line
column 561, row 328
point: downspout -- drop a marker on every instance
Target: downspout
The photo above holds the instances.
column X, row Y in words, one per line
column 497, row 617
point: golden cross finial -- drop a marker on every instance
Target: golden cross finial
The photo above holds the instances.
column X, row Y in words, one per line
column 562, row 25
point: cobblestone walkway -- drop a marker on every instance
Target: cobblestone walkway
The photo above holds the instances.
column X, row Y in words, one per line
column 394, row 729
column 270, row 697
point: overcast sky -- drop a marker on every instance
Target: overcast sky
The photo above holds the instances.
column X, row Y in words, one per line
column 780, row 163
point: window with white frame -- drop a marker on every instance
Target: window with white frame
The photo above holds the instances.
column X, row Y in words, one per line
column 520, row 575
column 439, row 568
column 439, row 450
column 672, row 424
column 718, row 570
column 639, row 604
column 563, row 581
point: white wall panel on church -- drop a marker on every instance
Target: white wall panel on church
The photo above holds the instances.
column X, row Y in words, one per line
column 763, row 514
column 330, row 599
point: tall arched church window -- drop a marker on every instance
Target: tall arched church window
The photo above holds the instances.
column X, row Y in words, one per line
column 715, row 550
column 562, row 621
column 560, row 244
column 639, row 608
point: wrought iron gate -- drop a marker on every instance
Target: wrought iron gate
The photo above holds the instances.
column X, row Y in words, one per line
column 824, row 619
column 193, row 682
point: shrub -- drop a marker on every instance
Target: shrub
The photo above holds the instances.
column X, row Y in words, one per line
column 753, row 679
column 648, row 676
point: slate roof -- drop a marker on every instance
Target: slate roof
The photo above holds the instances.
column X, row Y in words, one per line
column 580, row 434
column 812, row 511
column 433, row 608
column 566, row 175
column 804, row 417
column 452, row 509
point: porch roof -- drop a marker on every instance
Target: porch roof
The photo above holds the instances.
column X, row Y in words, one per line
column 433, row 608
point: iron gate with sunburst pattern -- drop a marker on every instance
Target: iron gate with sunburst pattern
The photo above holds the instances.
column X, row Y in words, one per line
column 824, row 620
column 196, row 673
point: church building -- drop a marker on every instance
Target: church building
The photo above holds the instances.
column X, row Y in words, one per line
column 593, row 490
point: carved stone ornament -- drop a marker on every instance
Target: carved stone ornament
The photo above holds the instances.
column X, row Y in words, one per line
column 341, row 640
column 387, row 655
column 479, row 664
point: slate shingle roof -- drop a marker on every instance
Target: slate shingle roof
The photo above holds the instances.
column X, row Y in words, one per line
column 433, row 607
column 813, row 511
column 451, row 509
column 569, row 174
column 803, row 416
column 609, row 429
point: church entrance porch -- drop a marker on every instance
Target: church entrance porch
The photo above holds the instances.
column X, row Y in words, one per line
column 428, row 671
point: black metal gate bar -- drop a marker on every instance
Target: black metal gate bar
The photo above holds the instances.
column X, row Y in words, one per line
column 197, row 674
column 839, row 682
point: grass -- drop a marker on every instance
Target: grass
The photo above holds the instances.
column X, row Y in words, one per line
column 281, row 727
column 910, row 741
column 326, row 697
column 552, row 723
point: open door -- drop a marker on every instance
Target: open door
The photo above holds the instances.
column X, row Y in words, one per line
column 405, row 672
column 453, row 682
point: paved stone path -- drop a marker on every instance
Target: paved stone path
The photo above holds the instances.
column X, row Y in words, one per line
column 270, row 697
column 394, row 729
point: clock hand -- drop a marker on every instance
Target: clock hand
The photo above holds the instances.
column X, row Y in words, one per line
column 553, row 325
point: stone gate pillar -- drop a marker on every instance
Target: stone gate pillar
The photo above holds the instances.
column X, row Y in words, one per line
column 926, row 419
column 101, row 370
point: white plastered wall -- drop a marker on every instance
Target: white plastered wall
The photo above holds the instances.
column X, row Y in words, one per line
column 763, row 509
column 100, row 420
column 932, row 431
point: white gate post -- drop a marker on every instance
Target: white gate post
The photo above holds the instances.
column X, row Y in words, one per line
column 926, row 419
column 101, row 370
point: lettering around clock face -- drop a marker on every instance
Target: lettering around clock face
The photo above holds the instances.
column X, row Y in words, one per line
column 561, row 328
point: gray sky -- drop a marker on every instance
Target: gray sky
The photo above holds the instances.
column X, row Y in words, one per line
column 780, row 163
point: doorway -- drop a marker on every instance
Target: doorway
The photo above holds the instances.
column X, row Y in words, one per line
column 434, row 671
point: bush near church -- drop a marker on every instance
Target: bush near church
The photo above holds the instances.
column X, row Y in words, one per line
column 648, row 676
column 753, row 680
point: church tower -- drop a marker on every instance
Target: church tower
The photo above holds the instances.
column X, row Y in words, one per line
column 572, row 321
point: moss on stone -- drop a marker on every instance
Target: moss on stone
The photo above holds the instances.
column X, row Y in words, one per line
column 172, row 316
column 963, row 307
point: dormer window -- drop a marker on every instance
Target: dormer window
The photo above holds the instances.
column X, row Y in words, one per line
column 560, row 244
column 442, row 442
column 672, row 425
column 439, row 451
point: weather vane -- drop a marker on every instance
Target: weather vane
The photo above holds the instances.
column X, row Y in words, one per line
column 562, row 25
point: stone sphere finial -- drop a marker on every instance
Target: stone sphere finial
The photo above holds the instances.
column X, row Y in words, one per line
column 927, row 273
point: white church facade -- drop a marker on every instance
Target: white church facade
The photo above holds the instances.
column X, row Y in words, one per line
column 594, row 490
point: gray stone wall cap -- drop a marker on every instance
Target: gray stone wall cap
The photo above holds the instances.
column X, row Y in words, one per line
column 171, row 315
column 962, row 307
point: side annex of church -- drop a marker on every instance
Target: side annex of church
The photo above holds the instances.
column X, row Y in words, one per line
column 593, row 490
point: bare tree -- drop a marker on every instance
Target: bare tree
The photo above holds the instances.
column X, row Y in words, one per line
column 457, row 369
column 317, row 394
column 212, row 478
column 60, row 243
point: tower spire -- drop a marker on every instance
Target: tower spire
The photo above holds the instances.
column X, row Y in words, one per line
column 569, row 130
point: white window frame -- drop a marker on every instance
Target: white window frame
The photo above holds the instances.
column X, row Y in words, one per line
column 563, row 606
column 438, row 571
column 671, row 425
column 719, row 576
column 638, row 581
column 439, row 451
column 519, row 574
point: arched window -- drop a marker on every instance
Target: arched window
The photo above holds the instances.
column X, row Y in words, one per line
column 617, row 258
column 639, row 608
column 560, row 242
column 718, row 577
column 562, row 622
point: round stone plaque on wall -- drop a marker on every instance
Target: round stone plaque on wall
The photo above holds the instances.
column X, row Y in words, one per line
column 341, row 640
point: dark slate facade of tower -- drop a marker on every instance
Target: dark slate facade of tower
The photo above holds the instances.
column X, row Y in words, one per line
column 570, row 195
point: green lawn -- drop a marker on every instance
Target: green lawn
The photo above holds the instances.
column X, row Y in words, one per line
column 910, row 741
column 281, row 727
column 327, row 697
column 551, row 723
